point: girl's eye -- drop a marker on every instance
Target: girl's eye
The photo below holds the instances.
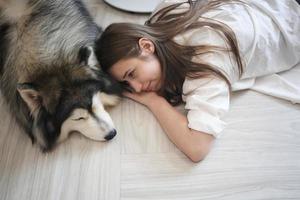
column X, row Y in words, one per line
column 131, row 74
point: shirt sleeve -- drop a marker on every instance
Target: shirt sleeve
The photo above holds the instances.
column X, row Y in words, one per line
column 207, row 100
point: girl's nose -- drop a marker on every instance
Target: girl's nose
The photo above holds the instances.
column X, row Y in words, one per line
column 137, row 86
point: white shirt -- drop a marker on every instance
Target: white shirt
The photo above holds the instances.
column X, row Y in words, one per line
column 268, row 35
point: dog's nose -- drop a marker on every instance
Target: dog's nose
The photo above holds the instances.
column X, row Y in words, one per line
column 111, row 135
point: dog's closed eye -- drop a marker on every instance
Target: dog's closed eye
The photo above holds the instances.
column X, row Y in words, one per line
column 77, row 119
column 79, row 114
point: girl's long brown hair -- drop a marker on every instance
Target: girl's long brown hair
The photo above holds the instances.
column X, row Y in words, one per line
column 120, row 41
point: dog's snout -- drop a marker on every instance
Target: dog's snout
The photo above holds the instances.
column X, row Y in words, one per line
column 111, row 135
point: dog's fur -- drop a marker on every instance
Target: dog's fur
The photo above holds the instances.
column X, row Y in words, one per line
column 49, row 76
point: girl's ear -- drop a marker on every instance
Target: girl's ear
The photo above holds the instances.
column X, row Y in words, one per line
column 146, row 46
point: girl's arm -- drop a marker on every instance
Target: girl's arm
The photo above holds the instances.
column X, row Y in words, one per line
column 192, row 143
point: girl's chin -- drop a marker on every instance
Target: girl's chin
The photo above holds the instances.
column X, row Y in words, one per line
column 157, row 86
column 153, row 87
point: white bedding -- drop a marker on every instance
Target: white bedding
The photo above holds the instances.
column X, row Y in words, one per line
column 285, row 85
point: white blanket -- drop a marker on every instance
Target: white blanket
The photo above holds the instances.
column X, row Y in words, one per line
column 285, row 85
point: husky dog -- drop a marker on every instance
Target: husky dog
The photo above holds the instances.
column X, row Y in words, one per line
column 48, row 72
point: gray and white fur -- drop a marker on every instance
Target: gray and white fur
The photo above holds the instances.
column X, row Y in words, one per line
column 49, row 77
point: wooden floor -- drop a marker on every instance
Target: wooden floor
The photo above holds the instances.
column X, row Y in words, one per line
column 258, row 156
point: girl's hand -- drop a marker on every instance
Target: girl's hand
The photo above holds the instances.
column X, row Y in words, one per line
column 145, row 98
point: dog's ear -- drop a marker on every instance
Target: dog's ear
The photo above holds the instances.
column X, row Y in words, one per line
column 30, row 95
column 87, row 57
column 110, row 85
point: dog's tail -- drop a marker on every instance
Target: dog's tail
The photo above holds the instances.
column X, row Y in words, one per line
column 13, row 10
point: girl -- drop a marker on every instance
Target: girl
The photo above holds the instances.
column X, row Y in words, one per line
column 196, row 52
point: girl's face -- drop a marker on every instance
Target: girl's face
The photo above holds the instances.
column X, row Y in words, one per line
column 142, row 73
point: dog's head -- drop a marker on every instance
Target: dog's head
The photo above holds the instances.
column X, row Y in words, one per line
column 70, row 99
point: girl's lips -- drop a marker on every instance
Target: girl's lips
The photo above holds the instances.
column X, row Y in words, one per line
column 145, row 87
column 148, row 88
column 153, row 86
